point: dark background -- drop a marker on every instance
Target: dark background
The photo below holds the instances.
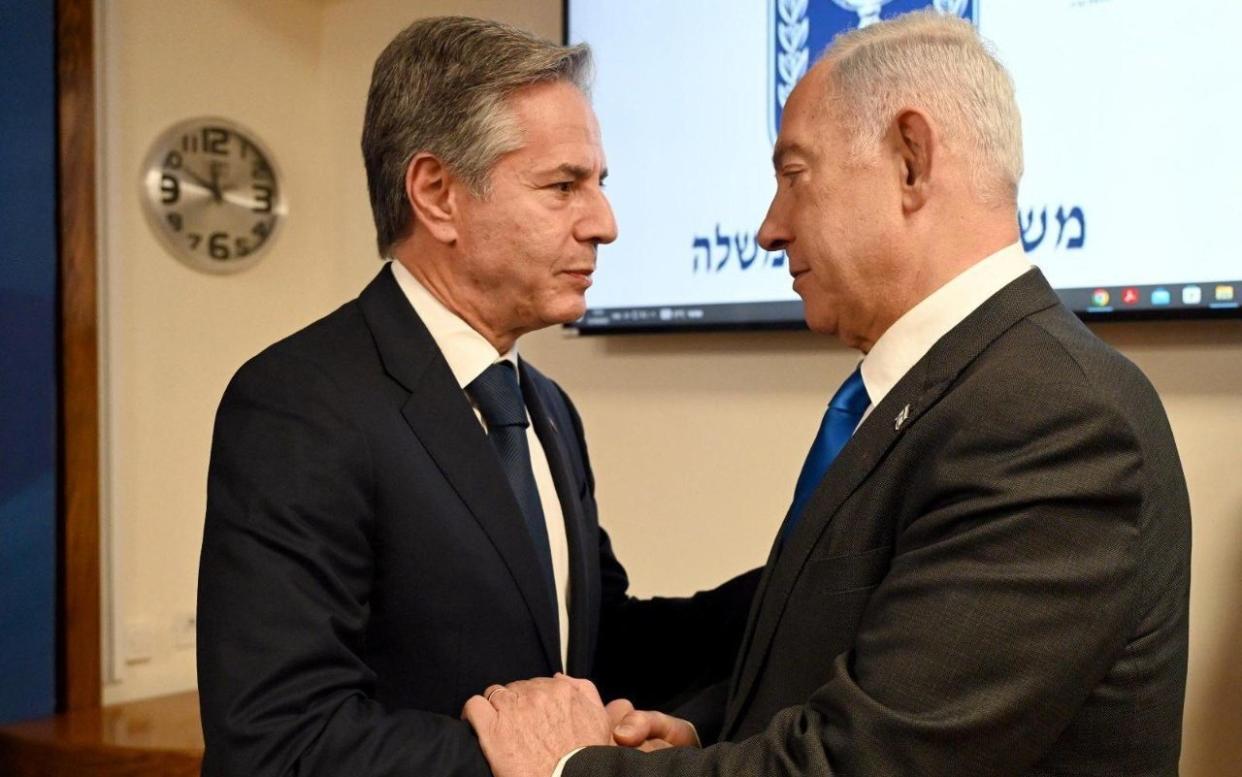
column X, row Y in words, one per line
column 28, row 377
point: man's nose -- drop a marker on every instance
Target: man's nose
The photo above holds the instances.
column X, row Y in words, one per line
column 773, row 235
column 598, row 224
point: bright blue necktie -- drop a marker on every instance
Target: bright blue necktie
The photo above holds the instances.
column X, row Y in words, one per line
column 840, row 419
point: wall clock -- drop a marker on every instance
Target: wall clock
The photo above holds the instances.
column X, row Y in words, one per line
column 212, row 194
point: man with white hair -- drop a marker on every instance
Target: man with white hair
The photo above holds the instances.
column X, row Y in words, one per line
column 985, row 568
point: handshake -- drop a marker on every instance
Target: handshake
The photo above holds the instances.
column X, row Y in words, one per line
column 526, row 728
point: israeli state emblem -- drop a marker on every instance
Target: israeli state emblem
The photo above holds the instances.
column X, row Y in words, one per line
column 802, row 29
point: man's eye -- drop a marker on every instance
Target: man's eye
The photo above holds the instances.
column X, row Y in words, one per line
column 564, row 187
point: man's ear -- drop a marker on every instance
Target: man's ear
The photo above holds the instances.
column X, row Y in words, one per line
column 915, row 144
column 431, row 191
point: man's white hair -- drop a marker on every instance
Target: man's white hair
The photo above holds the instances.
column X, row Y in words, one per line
column 939, row 64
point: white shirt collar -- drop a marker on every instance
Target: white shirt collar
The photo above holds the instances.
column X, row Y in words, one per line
column 913, row 335
column 467, row 352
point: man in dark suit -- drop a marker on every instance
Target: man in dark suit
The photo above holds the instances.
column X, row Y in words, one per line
column 400, row 510
column 985, row 569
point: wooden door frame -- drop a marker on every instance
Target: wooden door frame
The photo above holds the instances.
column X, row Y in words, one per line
column 79, row 668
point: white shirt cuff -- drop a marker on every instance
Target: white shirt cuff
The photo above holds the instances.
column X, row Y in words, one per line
column 560, row 766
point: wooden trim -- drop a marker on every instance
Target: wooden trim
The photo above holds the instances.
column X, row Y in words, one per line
column 151, row 738
column 79, row 683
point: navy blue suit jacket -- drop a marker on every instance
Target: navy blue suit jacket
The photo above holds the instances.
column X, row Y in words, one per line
column 365, row 569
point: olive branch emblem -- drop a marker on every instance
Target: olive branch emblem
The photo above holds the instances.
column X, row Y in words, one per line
column 792, row 30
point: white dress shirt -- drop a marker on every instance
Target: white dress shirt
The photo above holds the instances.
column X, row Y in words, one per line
column 468, row 354
column 913, row 335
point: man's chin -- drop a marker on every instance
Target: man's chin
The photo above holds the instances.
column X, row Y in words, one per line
column 819, row 321
column 565, row 312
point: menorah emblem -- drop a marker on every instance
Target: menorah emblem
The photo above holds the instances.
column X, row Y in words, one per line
column 952, row 7
column 868, row 10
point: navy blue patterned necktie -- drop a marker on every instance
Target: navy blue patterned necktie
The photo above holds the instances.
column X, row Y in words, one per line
column 840, row 419
column 499, row 398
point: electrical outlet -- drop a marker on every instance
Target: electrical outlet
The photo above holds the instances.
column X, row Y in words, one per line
column 184, row 627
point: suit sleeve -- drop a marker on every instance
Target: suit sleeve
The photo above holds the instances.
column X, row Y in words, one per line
column 661, row 653
column 284, row 591
column 665, row 652
column 1010, row 594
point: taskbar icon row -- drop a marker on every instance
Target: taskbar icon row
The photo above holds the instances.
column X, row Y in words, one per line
column 1224, row 295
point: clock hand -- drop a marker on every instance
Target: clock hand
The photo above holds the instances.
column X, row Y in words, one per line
column 215, row 184
column 198, row 179
column 212, row 186
column 200, row 190
column 236, row 198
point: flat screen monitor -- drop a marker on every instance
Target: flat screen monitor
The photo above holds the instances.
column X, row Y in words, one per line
column 1130, row 203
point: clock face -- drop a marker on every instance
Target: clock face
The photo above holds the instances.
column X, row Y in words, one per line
column 212, row 194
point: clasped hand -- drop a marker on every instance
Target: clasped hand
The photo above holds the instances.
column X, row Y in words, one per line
column 526, row 727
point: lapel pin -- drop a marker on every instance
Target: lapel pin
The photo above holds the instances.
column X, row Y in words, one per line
column 901, row 417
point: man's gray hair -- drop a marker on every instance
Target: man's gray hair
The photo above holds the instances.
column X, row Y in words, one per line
column 937, row 63
column 441, row 87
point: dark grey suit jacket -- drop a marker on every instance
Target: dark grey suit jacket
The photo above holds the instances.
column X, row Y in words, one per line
column 365, row 568
column 992, row 578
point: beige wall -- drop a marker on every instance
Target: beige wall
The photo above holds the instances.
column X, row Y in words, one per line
column 696, row 439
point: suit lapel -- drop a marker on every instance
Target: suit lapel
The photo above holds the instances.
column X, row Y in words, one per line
column 852, row 466
column 756, row 604
column 441, row 417
column 918, row 390
column 567, row 492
